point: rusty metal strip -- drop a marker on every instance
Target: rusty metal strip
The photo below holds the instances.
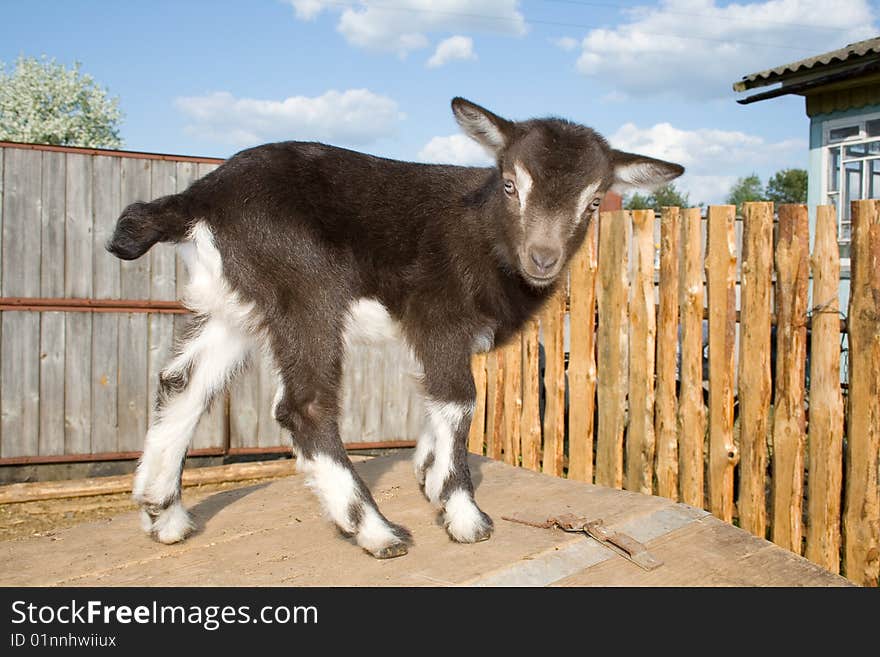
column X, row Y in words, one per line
column 211, row 451
column 45, row 304
column 137, row 155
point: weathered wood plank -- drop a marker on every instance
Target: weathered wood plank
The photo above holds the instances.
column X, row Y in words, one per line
column 530, row 429
column 642, row 336
column 78, row 227
column 792, row 279
column 370, row 406
column 51, row 377
column 348, row 398
column 53, row 181
column 135, row 186
column 2, row 203
column 826, row 401
column 513, row 402
column 105, row 382
column 20, row 392
column 78, row 283
column 107, row 204
column 415, row 407
column 133, row 394
column 52, row 219
column 399, row 387
column 861, row 522
column 721, row 293
column 691, row 410
column 494, row 403
column 243, row 407
column 666, row 401
column 106, row 274
column 477, row 434
column 269, row 431
column 163, row 181
column 754, row 364
column 77, row 383
column 19, row 331
column 582, row 357
column 553, row 327
column 21, row 223
column 186, row 173
column 611, row 297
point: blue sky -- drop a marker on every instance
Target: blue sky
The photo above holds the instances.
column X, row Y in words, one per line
column 210, row 78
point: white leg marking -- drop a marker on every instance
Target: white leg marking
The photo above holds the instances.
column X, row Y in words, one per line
column 217, row 351
column 444, row 418
column 463, row 519
column 336, row 488
column 374, row 533
column 424, row 448
column 222, row 344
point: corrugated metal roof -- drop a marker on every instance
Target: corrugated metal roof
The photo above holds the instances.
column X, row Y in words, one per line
column 852, row 51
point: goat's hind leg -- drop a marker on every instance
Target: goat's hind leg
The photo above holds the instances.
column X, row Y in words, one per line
column 309, row 412
column 207, row 356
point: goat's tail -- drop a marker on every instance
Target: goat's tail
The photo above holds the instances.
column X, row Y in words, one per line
column 141, row 225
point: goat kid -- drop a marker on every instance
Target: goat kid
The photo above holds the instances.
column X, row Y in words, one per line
column 301, row 249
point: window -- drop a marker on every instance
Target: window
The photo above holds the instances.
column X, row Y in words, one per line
column 852, row 161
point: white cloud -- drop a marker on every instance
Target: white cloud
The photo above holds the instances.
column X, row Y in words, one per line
column 402, row 26
column 307, row 9
column 699, row 47
column 713, row 159
column 453, row 48
column 455, row 149
column 565, row 43
column 353, row 117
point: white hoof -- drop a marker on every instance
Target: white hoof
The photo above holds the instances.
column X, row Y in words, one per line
column 172, row 525
column 464, row 521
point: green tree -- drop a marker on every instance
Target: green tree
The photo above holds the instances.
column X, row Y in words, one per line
column 667, row 195
column 43, row 102
column 787, row 186
column 637, row 202
column 745, row 189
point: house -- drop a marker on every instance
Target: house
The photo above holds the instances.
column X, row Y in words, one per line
column 842, row 92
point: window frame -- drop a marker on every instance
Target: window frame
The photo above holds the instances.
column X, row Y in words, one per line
column 844, row 223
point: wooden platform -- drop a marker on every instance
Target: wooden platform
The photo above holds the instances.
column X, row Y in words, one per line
column 275, row 534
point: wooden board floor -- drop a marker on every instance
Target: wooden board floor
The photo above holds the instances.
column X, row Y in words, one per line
column 274, row 534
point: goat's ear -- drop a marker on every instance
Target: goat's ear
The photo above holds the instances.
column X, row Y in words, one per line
column 490, row 131
column 633, row 171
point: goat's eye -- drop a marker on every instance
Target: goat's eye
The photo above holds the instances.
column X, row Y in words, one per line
column 595, row 203
column 509, row 187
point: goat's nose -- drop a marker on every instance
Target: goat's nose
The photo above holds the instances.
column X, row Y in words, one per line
column 544, row 258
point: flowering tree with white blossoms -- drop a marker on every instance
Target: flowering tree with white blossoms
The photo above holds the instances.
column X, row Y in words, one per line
column 44, row 102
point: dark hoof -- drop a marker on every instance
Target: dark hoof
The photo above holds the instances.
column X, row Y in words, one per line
column 392, row 551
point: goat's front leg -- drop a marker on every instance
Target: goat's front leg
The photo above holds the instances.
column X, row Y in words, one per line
column 449, row 406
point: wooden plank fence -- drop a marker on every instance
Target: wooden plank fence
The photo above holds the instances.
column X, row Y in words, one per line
column 746, row 442
column 81, row 351
column 606, row 385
